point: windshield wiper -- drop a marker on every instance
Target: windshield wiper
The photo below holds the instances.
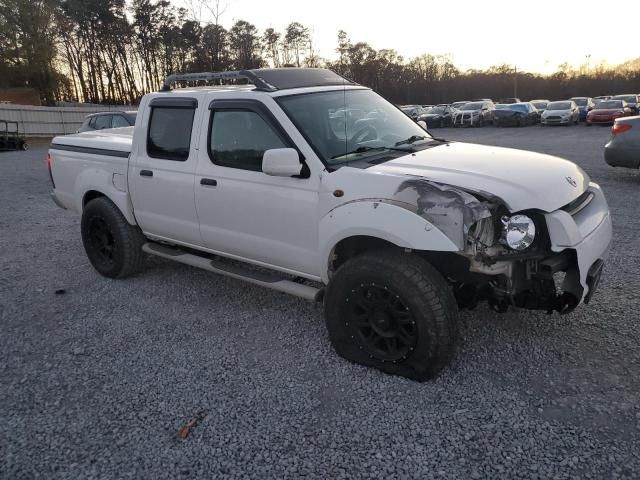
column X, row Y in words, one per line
column 411, row 139
column 415, row 138
column 366, row 148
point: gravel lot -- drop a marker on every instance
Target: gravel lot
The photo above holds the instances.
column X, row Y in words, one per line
column 96, row 382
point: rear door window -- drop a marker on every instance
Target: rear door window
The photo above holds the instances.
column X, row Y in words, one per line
column 169, row 135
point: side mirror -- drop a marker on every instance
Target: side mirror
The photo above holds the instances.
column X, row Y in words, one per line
column 423, row 124
column 281, row 162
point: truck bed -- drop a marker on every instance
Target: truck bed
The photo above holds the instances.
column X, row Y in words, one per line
column 97, row 159
column 112, row 139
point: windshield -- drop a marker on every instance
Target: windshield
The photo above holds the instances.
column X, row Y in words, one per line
column 559, row 106
column 338, row 138
column 609, row 104
column 540, row 105
column 436, row 110
column 472, row 106
column 581, row 102
column 626, row 98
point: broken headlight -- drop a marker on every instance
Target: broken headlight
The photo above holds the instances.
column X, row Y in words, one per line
column 518, row 232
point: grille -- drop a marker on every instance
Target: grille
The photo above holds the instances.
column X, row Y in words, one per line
column 579, row 203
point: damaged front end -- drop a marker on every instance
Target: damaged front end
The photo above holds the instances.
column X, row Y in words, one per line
column 504, row 258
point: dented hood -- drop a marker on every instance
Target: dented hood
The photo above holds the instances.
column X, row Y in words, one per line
column 523, row 180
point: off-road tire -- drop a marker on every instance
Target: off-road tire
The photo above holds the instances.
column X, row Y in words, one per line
column 408, row 281
column 113, row 246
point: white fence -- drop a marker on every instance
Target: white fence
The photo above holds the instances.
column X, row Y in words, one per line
column 51, row 121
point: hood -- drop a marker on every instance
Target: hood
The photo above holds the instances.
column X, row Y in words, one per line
column 605, row 111
column 557, row 112
column 523, row 180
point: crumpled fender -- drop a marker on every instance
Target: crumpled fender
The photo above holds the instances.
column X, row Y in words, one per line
column 387, row 219
column 452, row 210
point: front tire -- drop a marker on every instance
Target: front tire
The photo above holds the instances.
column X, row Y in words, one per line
column 392, row 311
column 113, row 246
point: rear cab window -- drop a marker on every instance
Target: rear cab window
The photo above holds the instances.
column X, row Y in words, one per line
column 119, row 121
column 170, row 127
column 102, row 122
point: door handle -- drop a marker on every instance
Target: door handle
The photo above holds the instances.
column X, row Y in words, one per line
column 209, row 182
column 146, row 173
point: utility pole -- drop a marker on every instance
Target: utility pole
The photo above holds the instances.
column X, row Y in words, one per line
column 515, row 81
column 588, row 58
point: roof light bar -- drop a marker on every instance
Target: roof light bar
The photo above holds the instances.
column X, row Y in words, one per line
column 210, row 76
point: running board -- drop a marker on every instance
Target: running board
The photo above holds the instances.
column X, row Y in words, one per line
column 264, row 279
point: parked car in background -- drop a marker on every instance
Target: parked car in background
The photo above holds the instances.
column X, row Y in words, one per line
column 585, row 105
column 607, row 111
column 413, row 111
column 474, row 114
column 457, row 105
column 102, row 120
column 515, row 114
column 601, row 98
column 564, row 112
column 507, row 101
column 438, row 116
column 623, row 149
column 482, row 100
column 631, row 99
column 541, row 105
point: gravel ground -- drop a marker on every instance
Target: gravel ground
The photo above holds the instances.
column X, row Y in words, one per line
column 98, row 379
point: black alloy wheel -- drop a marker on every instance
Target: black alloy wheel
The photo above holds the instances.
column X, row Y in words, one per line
column 102, row 240
column 382, row 324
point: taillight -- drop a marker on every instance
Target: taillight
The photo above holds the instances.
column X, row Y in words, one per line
column 620, row 128
column 49, row 168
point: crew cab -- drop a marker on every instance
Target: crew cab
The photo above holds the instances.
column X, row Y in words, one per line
column 392, row 229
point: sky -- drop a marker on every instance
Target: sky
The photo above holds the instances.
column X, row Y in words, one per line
column 533, row 35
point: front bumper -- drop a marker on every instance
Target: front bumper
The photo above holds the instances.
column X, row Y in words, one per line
column 600, row 120
column 465, row 120
column 588, row 233
column 554, row 121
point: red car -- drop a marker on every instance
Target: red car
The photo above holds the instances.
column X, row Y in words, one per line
column 607, row 111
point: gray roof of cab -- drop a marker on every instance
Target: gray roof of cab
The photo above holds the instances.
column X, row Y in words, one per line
column 267, row 79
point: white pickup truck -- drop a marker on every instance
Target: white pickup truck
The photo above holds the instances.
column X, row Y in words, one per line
column 301, row 181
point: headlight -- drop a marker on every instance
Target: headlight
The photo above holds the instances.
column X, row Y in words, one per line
column 518, row 231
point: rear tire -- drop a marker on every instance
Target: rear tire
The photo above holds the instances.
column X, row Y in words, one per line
column 392, row 311
column 113, row 246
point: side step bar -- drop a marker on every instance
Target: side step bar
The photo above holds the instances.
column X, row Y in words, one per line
column 264, row 279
